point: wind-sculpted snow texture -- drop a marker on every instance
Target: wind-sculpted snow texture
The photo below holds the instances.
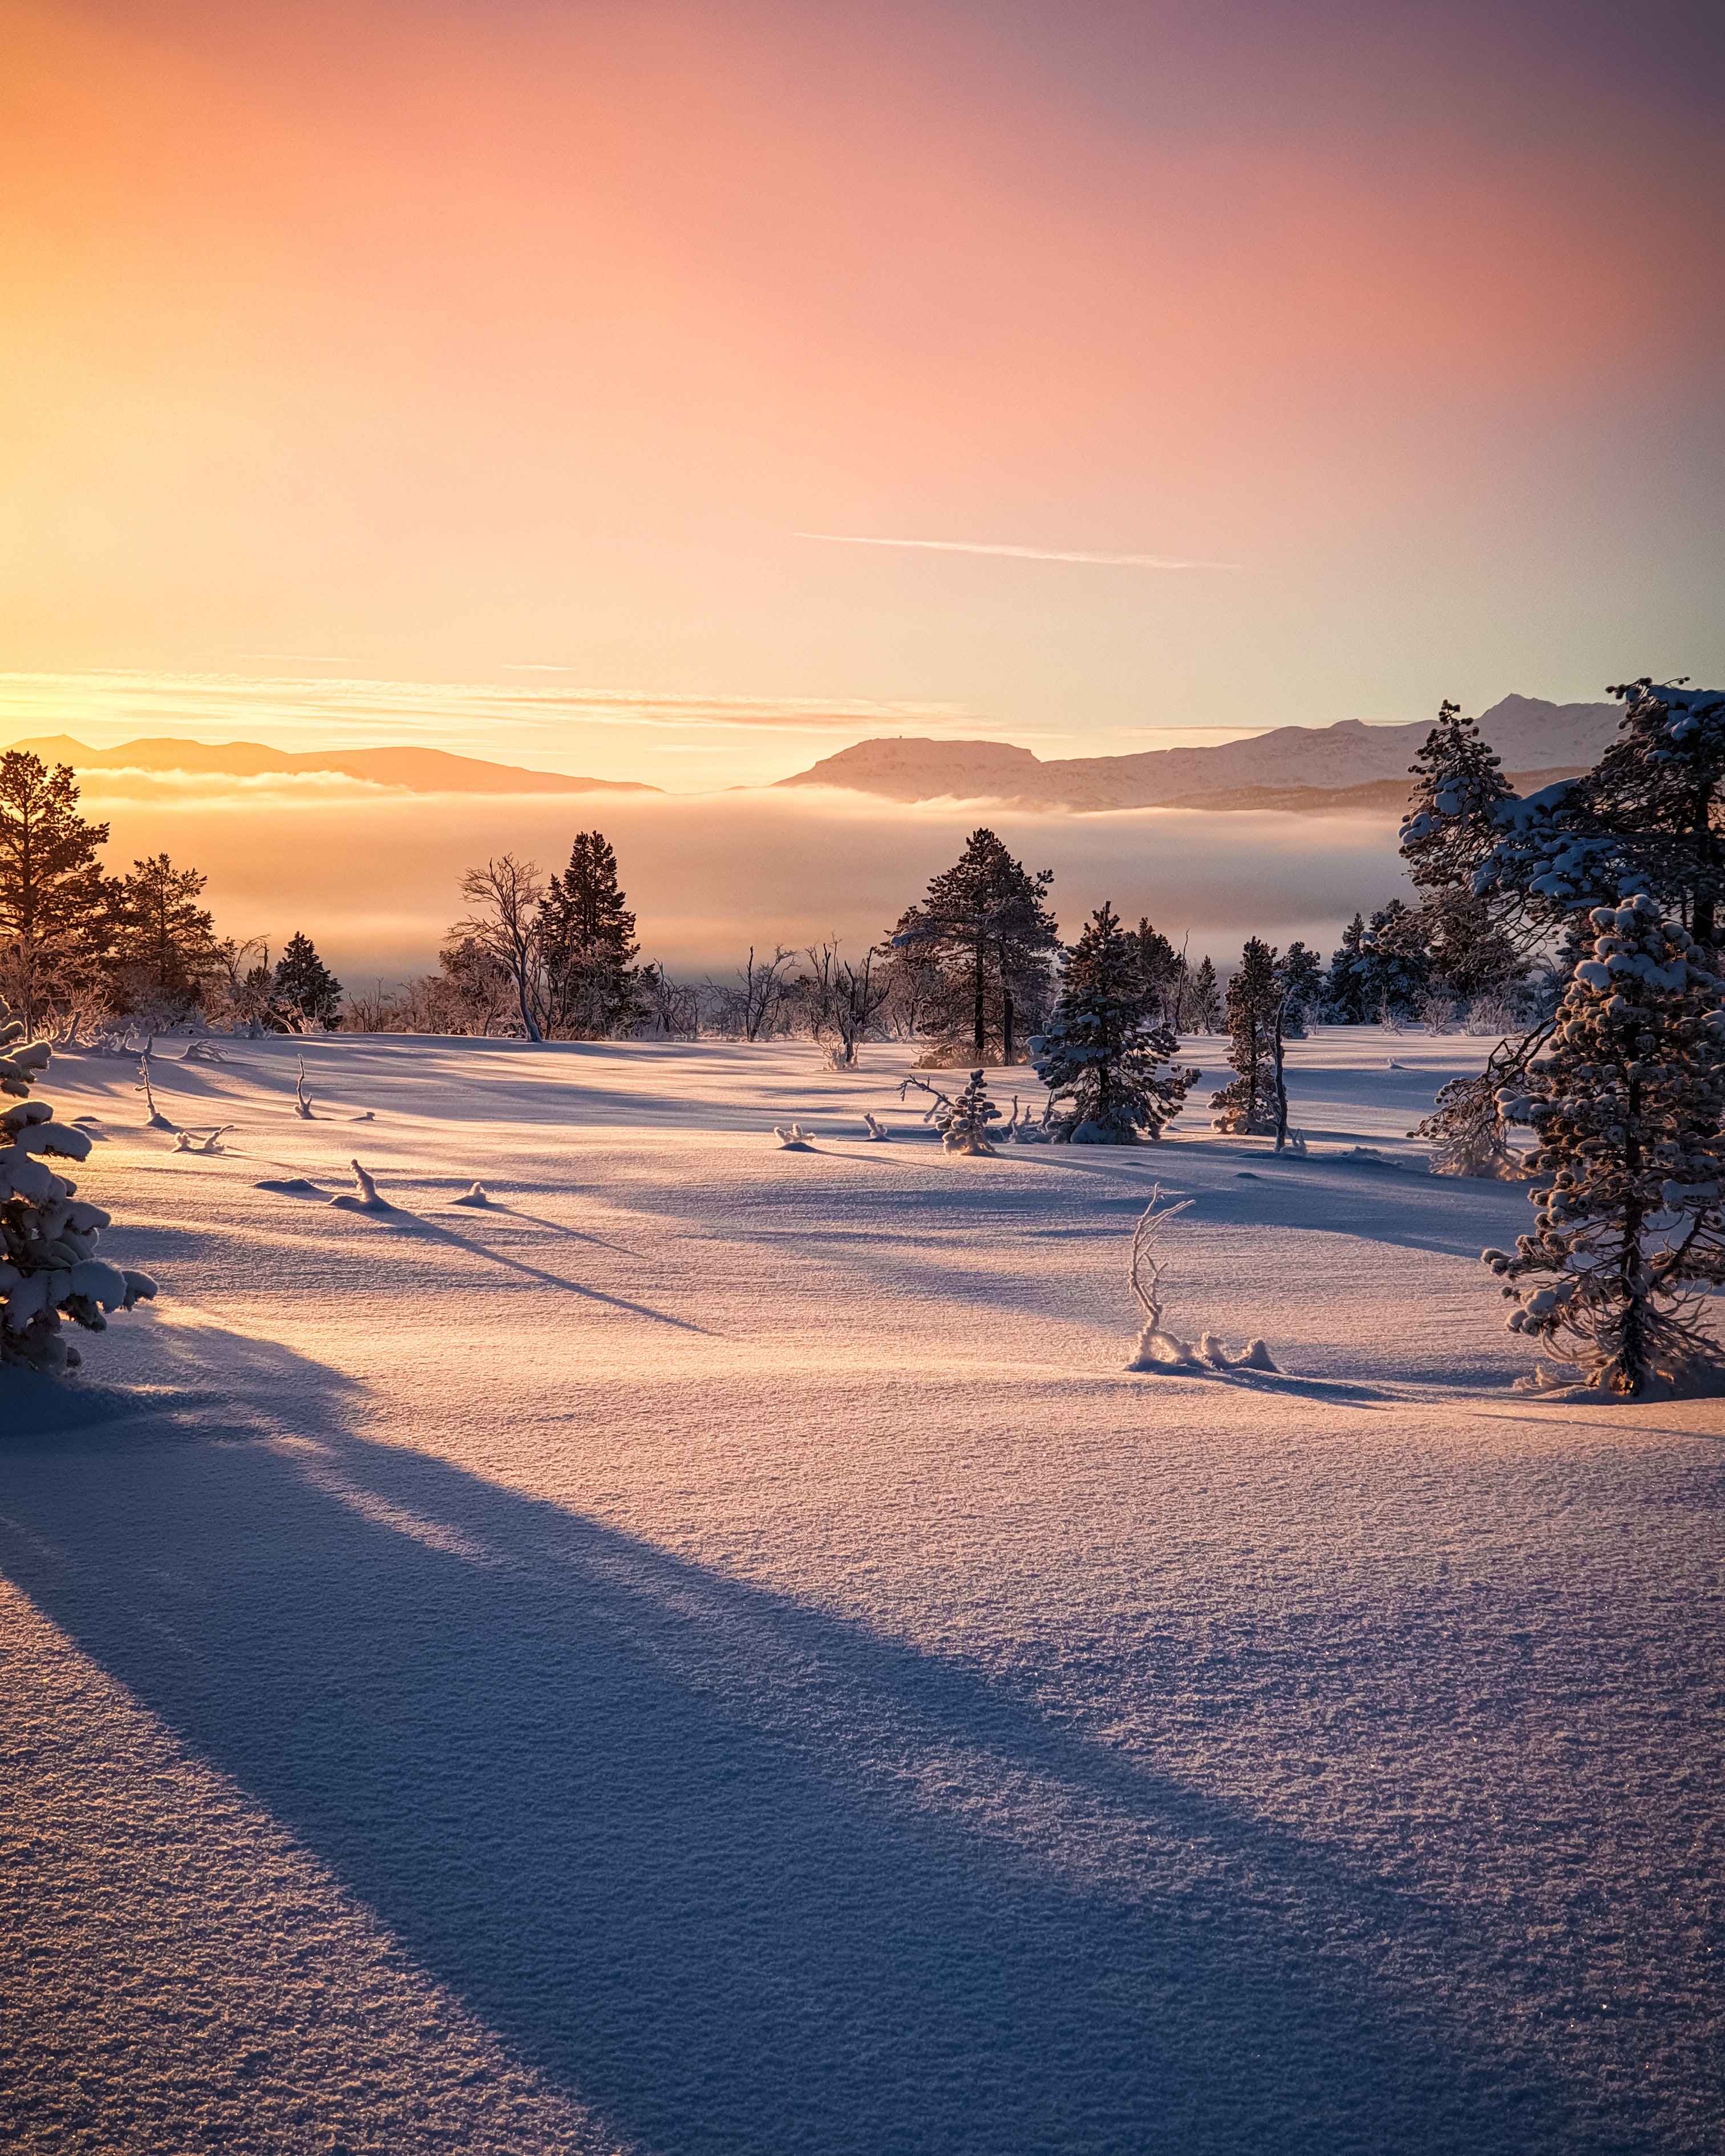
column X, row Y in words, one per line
column 711, row 1653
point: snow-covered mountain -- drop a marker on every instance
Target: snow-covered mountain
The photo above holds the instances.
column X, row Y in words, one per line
column 1530, row 734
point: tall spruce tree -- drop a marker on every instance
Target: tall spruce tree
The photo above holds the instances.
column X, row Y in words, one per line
column 1249, row 1105
column 165, row 951
column 1099, row 1054
column 588, row 947
column 53, row 910
column 1201, row 1000
column 1628, row 1113
column 986, row 923
column 304, row 986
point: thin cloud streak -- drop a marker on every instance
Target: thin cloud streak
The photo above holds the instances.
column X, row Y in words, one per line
column 1017, row 553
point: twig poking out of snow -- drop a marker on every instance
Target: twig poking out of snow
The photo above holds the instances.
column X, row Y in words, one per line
column 302, row 1099
column 365, row 1115
column 793, row 1138
column 208, row 1141
column 154, row 1119
column 478, row 1195
column 365, row 1198
column 204, row 1051
column 877, row 1130
column 1166, row 1352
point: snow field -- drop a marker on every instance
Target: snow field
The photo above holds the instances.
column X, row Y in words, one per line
column 714, row 1653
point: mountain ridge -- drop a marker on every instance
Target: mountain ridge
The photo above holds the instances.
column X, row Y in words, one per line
column 411, row 770
column 1532, row 738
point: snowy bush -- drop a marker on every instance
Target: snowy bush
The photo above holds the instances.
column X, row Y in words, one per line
column 1110, row 1073
column 963, row 1122
column 1163, row 1351
column 1627, row 1112
column 48, row 1267
column 793, row 1138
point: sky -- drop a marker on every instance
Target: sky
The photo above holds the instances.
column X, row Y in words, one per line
column 1249, row 364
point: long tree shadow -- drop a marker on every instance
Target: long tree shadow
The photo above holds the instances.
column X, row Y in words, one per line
column 745, row 1876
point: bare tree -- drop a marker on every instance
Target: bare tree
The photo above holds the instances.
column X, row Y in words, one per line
column 756, row 1005
column 839, row 1001
column 675, row 1005
column 506, row 894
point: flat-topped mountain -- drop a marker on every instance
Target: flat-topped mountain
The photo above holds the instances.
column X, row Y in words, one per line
column 1532, row 738
column 411, row 770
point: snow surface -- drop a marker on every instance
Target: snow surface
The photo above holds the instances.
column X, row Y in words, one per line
column 714, row 1653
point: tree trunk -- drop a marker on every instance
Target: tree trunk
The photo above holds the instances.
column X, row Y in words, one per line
column 1006, row 1043
column 1281, row 1089
column 982, row 1033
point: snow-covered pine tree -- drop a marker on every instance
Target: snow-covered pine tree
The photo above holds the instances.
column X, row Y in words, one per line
column 1383, row 966
column 964, row 1125
column 1300, row 973
column 1628, row 1112
column 1163, row 971
column 1099, row 1053
column 306, row 991
column 48, row 1268
column 1248, row 1105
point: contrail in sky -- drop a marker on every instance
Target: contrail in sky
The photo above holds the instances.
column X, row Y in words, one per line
column 1019, row 553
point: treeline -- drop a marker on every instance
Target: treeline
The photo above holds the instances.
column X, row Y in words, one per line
column 970, row 970
column 80, row 949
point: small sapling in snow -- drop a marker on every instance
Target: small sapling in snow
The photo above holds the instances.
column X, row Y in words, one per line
column 1159, row 1351
column 961, row 1122
column 793, row 1138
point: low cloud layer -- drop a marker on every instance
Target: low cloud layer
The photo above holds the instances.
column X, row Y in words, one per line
column 373, row 877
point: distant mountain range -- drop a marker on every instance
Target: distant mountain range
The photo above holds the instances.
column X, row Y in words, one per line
column 1349, row 767
column 411, row 770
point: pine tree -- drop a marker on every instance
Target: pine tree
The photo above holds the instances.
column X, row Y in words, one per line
column 305, row 985
column 964, row 1125
column 165, row 952
column 1099, row 1052
column 1203, row 1001
column 1383, row 967
column 52, row 906
column 1249, row 1104
column 1299, row 975
column 1344, row 1006
column 985, row 922
column 588, row 947
column 1162, row 972
column 48, row 1268
column 1628, row 1112
column 1451, row 820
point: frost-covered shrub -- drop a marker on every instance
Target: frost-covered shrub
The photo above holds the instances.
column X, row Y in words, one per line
column 48, row 1267
column 961, row 1122
column 1627, row 1112
column 1110, row 1073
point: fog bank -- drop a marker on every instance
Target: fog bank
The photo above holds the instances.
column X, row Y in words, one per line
column 372, row 877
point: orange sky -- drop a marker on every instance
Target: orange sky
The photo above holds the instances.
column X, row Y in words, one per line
column 439, row 340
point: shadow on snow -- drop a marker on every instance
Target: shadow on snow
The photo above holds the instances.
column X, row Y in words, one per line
column 744, row 1874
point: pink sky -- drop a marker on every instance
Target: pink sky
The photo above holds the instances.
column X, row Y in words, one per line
column 442, row 340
